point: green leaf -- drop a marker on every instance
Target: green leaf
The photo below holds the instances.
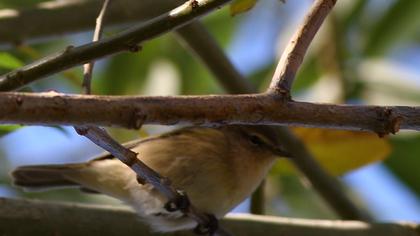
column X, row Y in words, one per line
column 240, row 6
column 398, row 24
column 20, row 3
column 404, row 160
column 8, row 61
column 6, row 129
column 353, row 16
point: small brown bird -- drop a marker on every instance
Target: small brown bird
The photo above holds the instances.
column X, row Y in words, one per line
column 217, row 168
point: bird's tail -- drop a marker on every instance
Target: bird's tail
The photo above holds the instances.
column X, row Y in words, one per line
column 40, row 177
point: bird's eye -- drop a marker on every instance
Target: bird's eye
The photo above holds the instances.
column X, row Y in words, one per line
column 255, row 140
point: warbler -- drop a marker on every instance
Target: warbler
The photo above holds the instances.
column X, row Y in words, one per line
column 217, row 167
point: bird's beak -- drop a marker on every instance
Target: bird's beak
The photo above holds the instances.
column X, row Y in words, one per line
column 280, row 152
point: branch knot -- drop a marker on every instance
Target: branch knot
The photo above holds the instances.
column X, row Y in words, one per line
column 389, row 123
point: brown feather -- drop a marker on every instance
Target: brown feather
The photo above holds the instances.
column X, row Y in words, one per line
column 43, row 176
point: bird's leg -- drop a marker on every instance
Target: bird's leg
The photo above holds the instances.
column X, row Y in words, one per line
column 210, row 228
column 180, row 202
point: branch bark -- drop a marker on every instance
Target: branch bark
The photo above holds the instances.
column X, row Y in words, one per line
column 125, row 41
column 56, row 18
column 128, row 111
column 293, row 55
column 45, row 218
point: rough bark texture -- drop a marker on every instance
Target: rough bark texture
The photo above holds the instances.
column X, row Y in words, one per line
column 131, row 111
column 295, row 51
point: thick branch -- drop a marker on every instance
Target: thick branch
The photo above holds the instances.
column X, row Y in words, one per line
column 128, row 111
column 295, row 51
column 127, row 40
column 42, row 218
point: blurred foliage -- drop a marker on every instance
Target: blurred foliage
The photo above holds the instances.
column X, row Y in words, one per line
column 308, row 74
column 8, row 61
column 289, row 195
column 357, row 31
column 400, row 23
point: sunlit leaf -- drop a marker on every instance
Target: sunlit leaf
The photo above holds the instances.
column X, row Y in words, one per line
column 8, row 61
column 240, row 6
column 6, row 129
column 342, row 151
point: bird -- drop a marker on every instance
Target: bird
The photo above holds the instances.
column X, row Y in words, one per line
column 217, row 167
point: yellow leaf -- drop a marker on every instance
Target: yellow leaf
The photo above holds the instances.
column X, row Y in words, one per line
column 341, row 151
column 143, row 133
column 240, row 6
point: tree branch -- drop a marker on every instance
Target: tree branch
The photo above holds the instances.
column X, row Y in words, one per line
column 127, row 40
column 56, row 18
column 45, row 218
column 88, row 67
column 293, row 55
column 128, row 111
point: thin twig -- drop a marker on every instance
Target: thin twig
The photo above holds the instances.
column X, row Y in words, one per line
column 124, row 41
column 294, row 52
column 88, row 67
column 101, row 138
